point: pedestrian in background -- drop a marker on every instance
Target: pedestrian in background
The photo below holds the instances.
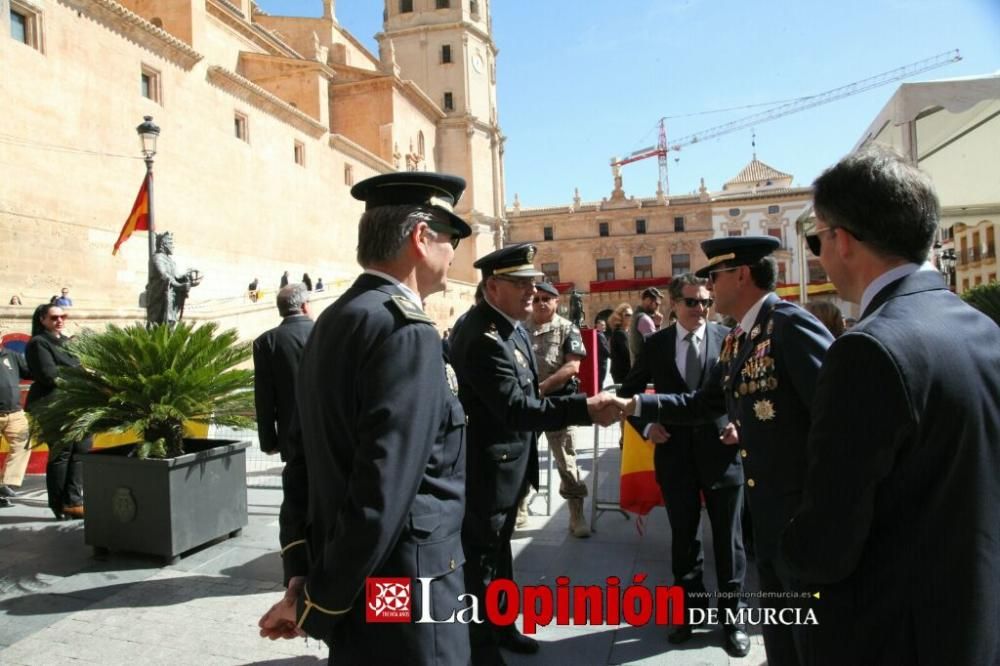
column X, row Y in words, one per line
column 13, row 424
column 621, row 360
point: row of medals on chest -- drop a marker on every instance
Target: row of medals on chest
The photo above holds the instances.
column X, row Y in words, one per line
column 757, row 372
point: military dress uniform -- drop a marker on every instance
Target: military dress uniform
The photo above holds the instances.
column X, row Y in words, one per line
column 498, row 386
column 384, row 443
column 764, row 382
column 551, row 343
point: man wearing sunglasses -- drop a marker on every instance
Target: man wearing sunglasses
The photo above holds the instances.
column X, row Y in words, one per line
column 899, row 526
column 498, row 384
column 383, row 436
column 690, row 461
column 764, row 384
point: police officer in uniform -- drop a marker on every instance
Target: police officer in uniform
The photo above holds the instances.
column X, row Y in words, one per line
column 384, row 440
column 558, row 348
column 498, row 386
column 764, row 382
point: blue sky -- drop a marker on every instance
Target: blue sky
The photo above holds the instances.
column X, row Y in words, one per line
column 582, row 80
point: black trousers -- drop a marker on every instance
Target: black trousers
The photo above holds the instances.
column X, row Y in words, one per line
column 486, row 540
column 64, row 475
column 784, row 644
column 682, row 496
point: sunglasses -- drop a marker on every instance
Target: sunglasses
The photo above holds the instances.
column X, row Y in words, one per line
column 815, row 241
column 694, row 302
column 713, row 275
column 442, row 229
column 538, row 299
column 58, row 316
column 520, row 283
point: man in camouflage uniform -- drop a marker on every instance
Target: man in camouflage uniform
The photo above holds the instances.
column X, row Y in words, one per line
column 559, row 349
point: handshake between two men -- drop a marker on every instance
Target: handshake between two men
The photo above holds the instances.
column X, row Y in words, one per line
column 605, row 409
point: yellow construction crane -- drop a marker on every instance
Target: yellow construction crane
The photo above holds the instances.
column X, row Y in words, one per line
column 662, row 147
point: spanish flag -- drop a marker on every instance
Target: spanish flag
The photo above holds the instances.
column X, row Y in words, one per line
column 138, row 219
column 639, row 490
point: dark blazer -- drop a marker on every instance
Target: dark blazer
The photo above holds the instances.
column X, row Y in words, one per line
column 498, row 385
column 766, row 388
column 384, row 441
column 45, row 354
column 276, row 357
column 621, row 361
column 899, row 527
column 718, row 465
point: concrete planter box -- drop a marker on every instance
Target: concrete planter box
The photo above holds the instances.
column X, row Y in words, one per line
column 165, row 507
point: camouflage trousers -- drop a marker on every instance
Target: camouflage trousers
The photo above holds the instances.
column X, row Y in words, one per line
column 564, row 455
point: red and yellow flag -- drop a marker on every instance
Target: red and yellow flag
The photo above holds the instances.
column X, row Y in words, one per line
column 138, row 219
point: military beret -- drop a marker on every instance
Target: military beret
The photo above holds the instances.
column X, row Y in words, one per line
column 434, row 190
column 510, row 261
column 735, row 251
column 547, row 288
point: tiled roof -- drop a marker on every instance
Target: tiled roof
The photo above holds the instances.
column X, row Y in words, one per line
column 757, row 172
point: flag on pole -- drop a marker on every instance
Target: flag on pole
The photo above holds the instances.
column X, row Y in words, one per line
column 138, row 219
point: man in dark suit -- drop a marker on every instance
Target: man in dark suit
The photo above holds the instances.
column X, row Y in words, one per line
column 764, row 383
column 384, row 441
column 690, row 461
column 498, row 386
column 276, row 357
column 899, row 525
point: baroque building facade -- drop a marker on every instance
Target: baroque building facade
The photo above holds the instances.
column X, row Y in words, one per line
column 613, row 249
column 266, row 123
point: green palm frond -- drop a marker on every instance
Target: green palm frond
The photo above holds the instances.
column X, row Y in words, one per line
column 152, row 381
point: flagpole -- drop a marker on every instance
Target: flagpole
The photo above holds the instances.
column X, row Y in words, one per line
column 148, row 133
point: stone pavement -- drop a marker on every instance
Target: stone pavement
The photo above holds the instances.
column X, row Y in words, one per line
column 59, row 604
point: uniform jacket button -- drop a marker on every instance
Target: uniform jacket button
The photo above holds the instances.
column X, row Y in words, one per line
column 751, row 483
column 743, row 453
column 503, row 457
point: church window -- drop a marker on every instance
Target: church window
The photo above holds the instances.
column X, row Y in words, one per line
column 680, row 264
column 240, row 127
column 643, row 267
column 449, row 102
column 734, row 212
column 551, row 271
column 605, row 269
column 640, row 226
column 775, row 232
column 547, row 233
column 420, row 145
column 299, row 149
column 348, row 174
column 25, row 24
column 405, row 6
column 679, row 223
column 603, row 229
column 773, row 210
column 149, row 83
column 446, row 53
column 735, row 232
column 443, row 4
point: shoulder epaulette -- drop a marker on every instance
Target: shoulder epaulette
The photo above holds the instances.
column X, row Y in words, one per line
column 410, row 310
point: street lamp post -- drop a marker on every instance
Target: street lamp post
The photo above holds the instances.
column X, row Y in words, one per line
column 148, row 133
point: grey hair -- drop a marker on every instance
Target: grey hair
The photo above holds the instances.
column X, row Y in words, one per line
column 291, row 298
column 677, row 284
column 382, row 231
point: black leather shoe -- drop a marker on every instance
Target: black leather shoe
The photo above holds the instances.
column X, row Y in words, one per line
column 680, row 634
column 515, row 641
column 5, row 503
column 737, row 642
column 7, row 491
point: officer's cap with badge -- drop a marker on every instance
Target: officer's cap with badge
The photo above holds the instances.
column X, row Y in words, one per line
column 512, row 261
column 437, row 191
column 735, row 251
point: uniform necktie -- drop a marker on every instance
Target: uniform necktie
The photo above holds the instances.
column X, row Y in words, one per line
column 692, row 368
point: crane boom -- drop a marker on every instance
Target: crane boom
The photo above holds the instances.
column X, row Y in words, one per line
column 800, row 104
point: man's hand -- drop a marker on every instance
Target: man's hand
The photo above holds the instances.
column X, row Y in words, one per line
column 280, row 620
column 629, row 407
column 657, row 433
column 730, row 435
column 604, row 408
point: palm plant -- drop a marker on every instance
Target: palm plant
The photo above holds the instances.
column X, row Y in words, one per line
column 150, row 381
column 986, row 299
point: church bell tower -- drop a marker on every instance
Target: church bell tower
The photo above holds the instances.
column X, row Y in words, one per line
column 446, row 48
